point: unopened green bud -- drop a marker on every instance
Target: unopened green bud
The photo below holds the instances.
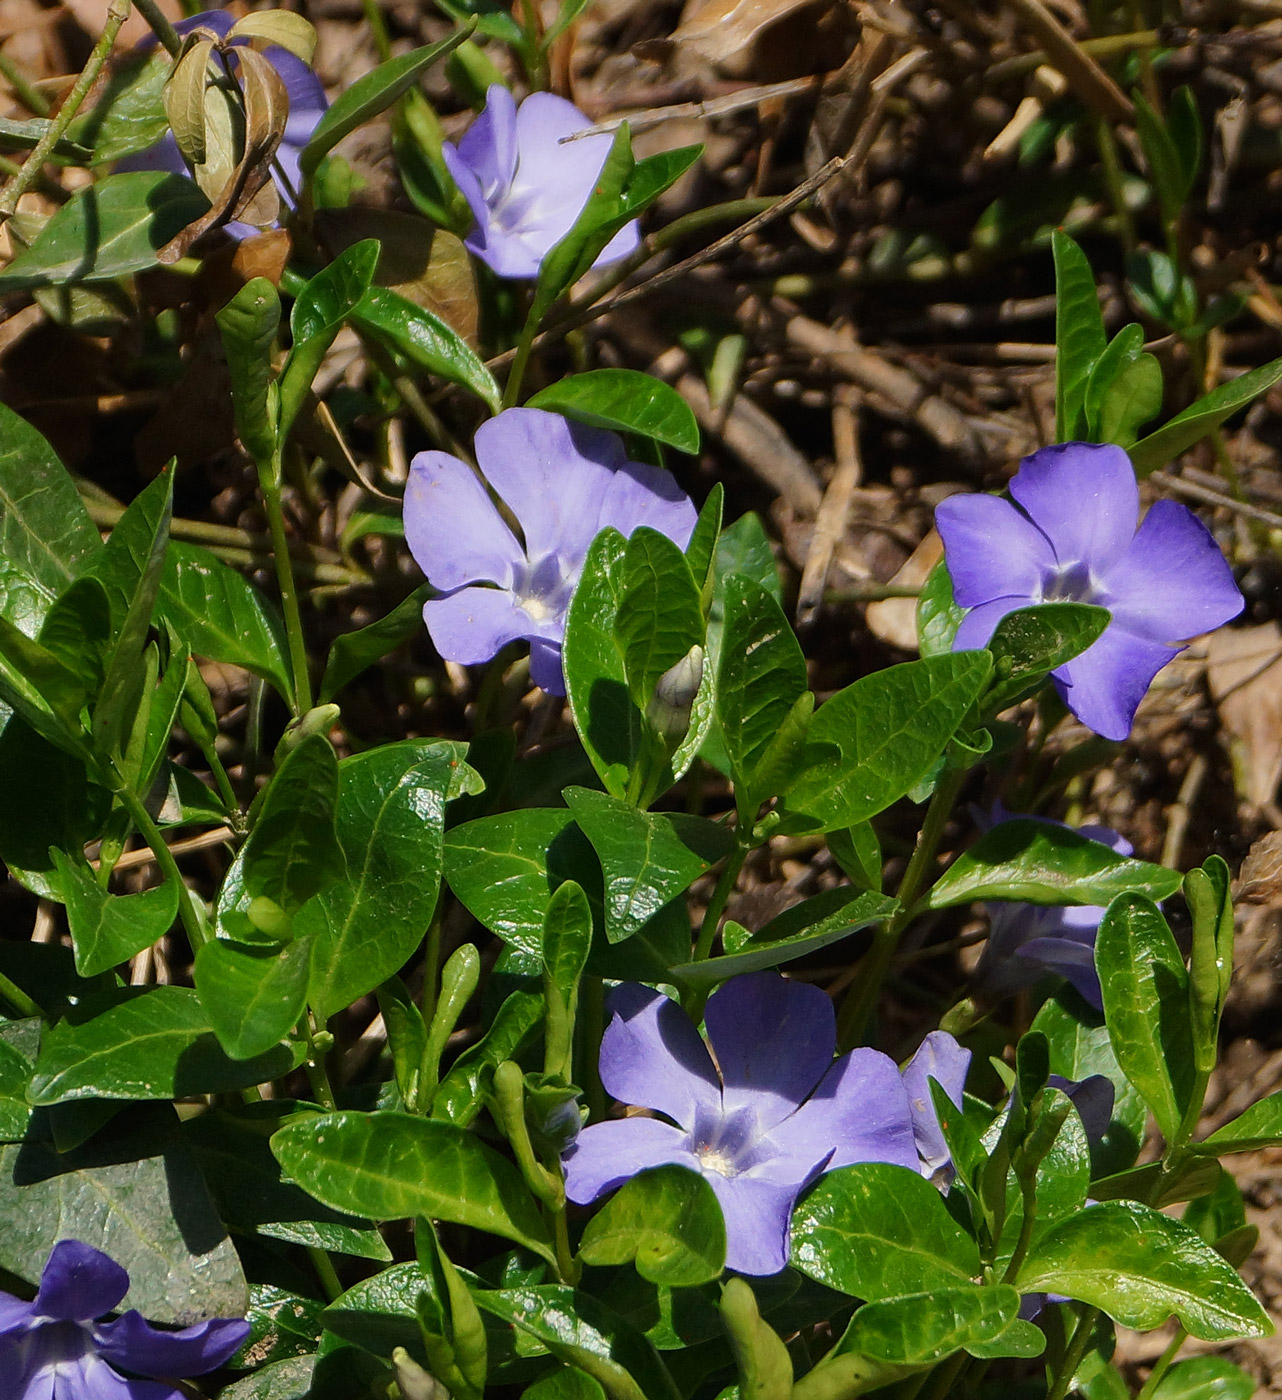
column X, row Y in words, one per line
column 268, row 917
column 318, row 720
column 674, row 692
column 414, row 1382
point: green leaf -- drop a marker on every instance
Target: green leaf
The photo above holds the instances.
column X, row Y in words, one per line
column 513, row 1029
column 371, row 94
column 761, row 678
column 1030, row 643
column 887, row 731
column 568, row 1384
column 319, row 312
column 1124, row 390
column 666, row 1221
column 923, row 1328
column 129, row 115
column 153, row 1216
column 391, row 1165
column 1140, row 1266
column 938, row 616
column 47, row 694
column 290, row 1379
column 1259, row 1126
column 142, row 1043
column 354, row 652
column 426, row 341
column 581, row 1331
column 1042, row 862
column 107, row 230
column 878, row 1231
column 108, row 929
column 626, row 400
column 248, row 326
column 253, row 996
column 648, row 858
column 1145, row 990
column 1079, row 335
column 815, row 923
column 222, row 616
column 1202, row 418
column 1205, row 1378
column 390, row 818
column 46, row 536
column 659, row 616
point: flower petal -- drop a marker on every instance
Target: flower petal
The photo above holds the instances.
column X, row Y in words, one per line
column 757, row 1215
column 79, row 1283
column 14, row 1313
column 651, row 1055
column 607, row 1154
column 1093, row 1098
column 1073, row 961
column 639, row 494
column 132, row 1342
column 1084, row 499
column 488, row 147
column 773, row 1040
column 1172, row 582
column 859, row 1113
column 453, row 529
column 545, row 666
column 992, row 551
column 553, row 475
column 475, row 624
column 91, row 1378
column 941, row 1058
column 1105, row 684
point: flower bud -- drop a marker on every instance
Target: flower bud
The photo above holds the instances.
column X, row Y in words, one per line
column 674, row 693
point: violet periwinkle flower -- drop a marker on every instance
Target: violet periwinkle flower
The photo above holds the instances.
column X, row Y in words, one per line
column 941, row 1058
column 563, row 483
column 54, row 1349
column 1070, row 536
column 781, row 1112
column 1026, row 941
column 307, row 104
column 526, row 184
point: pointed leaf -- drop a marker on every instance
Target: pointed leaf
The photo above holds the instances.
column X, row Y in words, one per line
column 626, row 400
column 108, row 929
column 253, row 996
column 666, row 1221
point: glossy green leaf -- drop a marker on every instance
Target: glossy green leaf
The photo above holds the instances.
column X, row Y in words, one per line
column 1145, row 990
column 46, row 536
column 15, row 1073
column 1124, row 390
column 253, row 996
column 152, row 1215
column 626, row 400
column 815, row 923
column 514, row 1027
column 659, row 616
column 25, row 135
column 761, row 677
column 1030, row 643
column 872, row 742
column 290, row 1379
column 1079, row 335
column 142, row 1043
column 648, row 858
column 878, row 1231
column 570, row 1384
column 453, row 1330
column 222, row 616
column 761, row 1358
column 370, row 94
column 923, row 1328
column 1205, row 1378
column 108, row 929
column 666, row 1221
column 44, row 692
column 377, row 1315
column 938, row 616
column 248, row 326
column 1202, row 417
column 1042, row 862
column 391, row 1165
column 354, row 652
column 1140, row 1266
column 581, row 1331
column 390, row 818
column 426, row 341
column 129, row 114
column 107, row 230
column 1259, row 1126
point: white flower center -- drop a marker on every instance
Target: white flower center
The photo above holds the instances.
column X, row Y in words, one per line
column 713, row 1159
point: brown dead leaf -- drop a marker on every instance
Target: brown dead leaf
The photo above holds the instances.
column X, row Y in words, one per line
column 1260, row 879
column 894, row 620
column 1244, row 672
column 426, row 265
column 768, row 40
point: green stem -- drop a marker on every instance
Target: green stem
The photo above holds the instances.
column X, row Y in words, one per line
column 314, row 1066
column 946, row 1375
column 325, row 1272
column 269, row 475
column 512, row 389
column 565, row 1264
column 1162, row 1365
column 857, row 1007
column 378, row 29
column 17, row 998
column 720, row 897
column 1188, row 1123
column 31, row 97
column 192, row 920
column 160, row 26
column 1106, row 144
column 20, row 183
column 1073, row 1356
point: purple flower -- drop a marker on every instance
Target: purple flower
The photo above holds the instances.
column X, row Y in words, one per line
column 1071, row 536
column 563, row 483
column 52, row 1348
column 307, row 104
column 1026, row 941
column 781, row 1112
column 525, row 184
column 941, row 1058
